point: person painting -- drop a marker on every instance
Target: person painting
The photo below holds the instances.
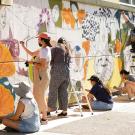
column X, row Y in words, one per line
column 127, row 84
column 126, row 76
column 59, row 77
column 99, row 96
column 41, row 73
column 26, row 118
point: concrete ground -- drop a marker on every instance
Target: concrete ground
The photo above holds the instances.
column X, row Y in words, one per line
column 119, row 121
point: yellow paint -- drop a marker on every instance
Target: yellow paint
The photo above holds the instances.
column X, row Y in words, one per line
column 115, row 79
column 30, row 72
column 120, row 63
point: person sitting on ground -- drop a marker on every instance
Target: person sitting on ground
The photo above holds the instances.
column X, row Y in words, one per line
column 125, row 75
column 127, row 84
column 101, row 94
column 26, row 118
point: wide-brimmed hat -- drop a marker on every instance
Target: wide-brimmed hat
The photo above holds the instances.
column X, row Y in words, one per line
column 22, row 89
column 46, row 38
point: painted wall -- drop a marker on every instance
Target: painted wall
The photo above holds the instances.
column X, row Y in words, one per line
column 96, row 35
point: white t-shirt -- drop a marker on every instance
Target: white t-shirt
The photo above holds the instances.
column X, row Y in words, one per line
column 29, row 108
column 45, row 53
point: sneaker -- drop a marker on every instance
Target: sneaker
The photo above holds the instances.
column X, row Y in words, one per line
column 62, row 114
column 131, row 99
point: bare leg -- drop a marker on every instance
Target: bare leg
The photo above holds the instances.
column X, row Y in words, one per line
column 11, row 123
column 130, row 91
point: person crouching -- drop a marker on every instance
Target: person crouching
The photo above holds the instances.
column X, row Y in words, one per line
column 101, row 94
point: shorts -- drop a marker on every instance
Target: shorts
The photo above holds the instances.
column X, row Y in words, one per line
column 29, row 125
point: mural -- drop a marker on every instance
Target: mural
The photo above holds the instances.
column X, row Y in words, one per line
column 7, row 69
column 97, row 38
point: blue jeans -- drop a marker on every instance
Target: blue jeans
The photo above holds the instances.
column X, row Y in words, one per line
column 29, row 125
column 99, row 105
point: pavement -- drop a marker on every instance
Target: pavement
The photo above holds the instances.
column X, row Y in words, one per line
column 119, row 121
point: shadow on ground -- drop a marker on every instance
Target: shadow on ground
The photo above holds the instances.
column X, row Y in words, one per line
column 3, row 132
column 122, row 99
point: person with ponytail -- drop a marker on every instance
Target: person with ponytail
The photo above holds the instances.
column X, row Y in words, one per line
column 99, row 96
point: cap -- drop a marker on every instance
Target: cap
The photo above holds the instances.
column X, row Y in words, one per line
column 93, row 78
column 46, row 38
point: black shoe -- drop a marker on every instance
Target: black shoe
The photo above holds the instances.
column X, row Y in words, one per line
column 62, row 114
column 48, row 114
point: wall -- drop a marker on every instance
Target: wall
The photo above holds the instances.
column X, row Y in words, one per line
column 96, row 35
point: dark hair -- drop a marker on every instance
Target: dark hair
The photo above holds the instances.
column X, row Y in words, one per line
column 61, row 40
column 47, row 41
column 123, row 71
column 96, row 79
column 67, row 57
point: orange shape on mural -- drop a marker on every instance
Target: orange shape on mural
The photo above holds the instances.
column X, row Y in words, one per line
column 118, row 46
column 86, row 46
column 7, row 66
column 81, row 15
column 6, row 101
column 68, row 17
